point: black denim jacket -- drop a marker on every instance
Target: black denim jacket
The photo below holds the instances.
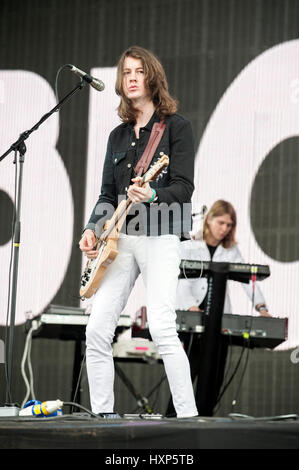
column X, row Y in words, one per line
column 172, row 212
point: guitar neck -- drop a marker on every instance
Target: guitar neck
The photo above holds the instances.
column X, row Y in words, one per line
column 117, row 220
column 119, row 216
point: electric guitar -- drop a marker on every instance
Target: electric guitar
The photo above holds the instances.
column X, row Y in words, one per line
column 107, row 244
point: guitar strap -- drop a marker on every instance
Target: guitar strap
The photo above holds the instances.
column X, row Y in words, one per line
column 147, row 156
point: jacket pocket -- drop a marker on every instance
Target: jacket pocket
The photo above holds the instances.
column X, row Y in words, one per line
column 118, row 157
column 123, row 171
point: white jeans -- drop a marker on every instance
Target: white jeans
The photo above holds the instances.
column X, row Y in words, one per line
column 157, row 258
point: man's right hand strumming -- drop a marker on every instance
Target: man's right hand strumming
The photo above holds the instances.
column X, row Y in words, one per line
column 87, row 244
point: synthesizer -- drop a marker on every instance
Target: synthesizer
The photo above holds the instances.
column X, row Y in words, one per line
column 240, row 272
column 251, row 331
column 68, row 323
column 65, row 323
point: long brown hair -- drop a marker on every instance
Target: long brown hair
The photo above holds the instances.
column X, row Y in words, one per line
column 218, row 209
column 156, row 82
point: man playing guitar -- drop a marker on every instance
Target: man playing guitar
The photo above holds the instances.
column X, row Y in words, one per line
column 150, row 247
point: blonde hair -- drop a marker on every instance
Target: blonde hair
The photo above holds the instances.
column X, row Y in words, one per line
column 218, row 209
column 156, row 82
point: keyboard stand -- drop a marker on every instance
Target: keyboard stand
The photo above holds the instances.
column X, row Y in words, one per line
column 211, row 339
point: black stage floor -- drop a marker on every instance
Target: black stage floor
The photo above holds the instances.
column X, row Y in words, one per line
column 81, row 431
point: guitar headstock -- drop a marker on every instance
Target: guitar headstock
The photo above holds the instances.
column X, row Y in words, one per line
column 156, row 169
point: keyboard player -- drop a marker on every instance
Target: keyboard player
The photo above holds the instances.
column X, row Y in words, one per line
column 214, row 242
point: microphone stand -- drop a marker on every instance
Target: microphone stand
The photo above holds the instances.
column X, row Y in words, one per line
column 20, row 147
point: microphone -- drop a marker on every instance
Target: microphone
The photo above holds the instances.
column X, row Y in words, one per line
column 94, row 82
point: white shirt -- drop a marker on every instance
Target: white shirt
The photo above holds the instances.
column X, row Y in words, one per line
column 192, row 292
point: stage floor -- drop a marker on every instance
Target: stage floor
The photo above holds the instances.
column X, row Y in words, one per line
column 81, row 431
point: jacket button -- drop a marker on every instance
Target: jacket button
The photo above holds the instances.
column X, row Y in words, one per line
column 133, row 144
column 129, row 165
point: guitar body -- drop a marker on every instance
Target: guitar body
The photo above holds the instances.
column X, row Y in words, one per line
column 96, row 268
column 107, row 246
